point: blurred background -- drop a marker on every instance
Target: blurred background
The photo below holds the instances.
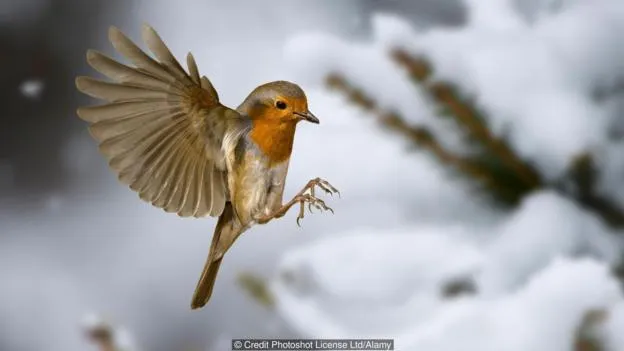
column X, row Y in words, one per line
column 477, row 146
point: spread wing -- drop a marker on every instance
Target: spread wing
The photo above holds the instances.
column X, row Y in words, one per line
column 162, row 128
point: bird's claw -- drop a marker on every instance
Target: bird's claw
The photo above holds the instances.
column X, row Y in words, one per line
column 312, row 201
column 308, row 196
column 323, row 185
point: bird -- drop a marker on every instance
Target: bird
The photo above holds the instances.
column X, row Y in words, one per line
column 166, row 135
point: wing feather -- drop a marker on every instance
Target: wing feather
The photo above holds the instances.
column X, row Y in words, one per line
column 127, row 75
column 202, row 206
column 164, row 55
column 143, row 62
column 94, row 114
column 121, row 92
column 161, row 128
column 191, row 194
column 192, row 66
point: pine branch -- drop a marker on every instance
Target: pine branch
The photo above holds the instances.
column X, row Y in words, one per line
column 256, row 288
column 418, row 69
column 420, row 137
column 102, row 335
column 494, row 165
column 587, row 335
column 467, row 117
column 581, row 180
column 103, row 338
column 458, row 287
column 517, row 173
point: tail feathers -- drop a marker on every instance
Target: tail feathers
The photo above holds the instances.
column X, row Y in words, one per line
column 226, row 231
column 206, row 283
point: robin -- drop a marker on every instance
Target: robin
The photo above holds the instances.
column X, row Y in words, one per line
column 166, row 135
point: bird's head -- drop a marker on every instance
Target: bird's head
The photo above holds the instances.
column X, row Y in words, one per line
column 278, row 101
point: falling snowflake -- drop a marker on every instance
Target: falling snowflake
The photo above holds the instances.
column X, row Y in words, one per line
column 31, row 88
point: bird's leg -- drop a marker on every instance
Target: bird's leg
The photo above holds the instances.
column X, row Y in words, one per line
column 301, row 199
column 306, row 195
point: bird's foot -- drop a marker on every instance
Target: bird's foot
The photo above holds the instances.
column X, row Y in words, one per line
column 312, row 201
column 305, row 196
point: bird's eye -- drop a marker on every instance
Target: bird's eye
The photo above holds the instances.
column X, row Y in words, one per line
column 281, row 105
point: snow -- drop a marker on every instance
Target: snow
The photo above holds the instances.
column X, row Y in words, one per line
column 315, row 55
column 534, row 69
column 342, row 295
column 540, row 315
column 222, row 343
column 543, row 315
column 532, row 79
column 614, row 326
column 535, row 80
column 42, row 299
column 366, row 252
column 536, row 230
column 32, row 88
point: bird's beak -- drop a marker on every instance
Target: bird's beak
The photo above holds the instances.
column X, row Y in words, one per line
column 308, row 116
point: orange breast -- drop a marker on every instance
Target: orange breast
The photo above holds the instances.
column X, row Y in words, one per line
column 274, row 138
